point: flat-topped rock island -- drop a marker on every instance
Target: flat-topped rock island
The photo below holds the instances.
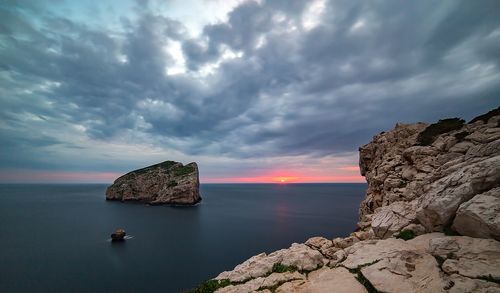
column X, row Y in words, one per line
column 168, row 182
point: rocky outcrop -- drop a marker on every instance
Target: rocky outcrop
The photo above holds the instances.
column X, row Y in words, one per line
column 164, row 183
column 431, row 262
column 422, row 180
column 419, row 175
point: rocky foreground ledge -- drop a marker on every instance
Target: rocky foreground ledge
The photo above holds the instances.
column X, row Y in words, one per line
column 168, row 182
column 430, row 221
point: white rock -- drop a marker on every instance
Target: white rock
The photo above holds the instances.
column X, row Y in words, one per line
column 323, row 245
column 262, row 282
column 303, row 257
column 417, row 229
column 338, row 257
column 405, row 271
column 344, row 242
column 461, row 284
column 325, row 280
column 480, row 216
column 422, row 242
column 392, row 218
column 469, row 257
column 438, row 206
column 368, row 251
column 363, row 235
column 298, row 255
column 279, row 278
column 318, row 242
column 250, row 286
column 256, row 266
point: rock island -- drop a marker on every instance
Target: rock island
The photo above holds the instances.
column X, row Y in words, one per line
column 168, row 182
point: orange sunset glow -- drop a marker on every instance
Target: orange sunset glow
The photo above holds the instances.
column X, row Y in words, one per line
column 345, row 174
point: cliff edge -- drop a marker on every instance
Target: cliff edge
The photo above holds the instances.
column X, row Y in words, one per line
column 168, row 182
column 430, row 221
column 430, row 178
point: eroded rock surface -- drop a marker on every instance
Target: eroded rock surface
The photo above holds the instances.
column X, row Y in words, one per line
column 480, row 216
column 469, row 257
column 299, row 256
column 414, row 183
column 431, row 262
column 165, row 183
column 325, row 280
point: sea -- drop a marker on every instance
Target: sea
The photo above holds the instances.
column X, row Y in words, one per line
column 56, row 238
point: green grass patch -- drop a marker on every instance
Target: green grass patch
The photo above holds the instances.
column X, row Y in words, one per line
column 281, row 268
column 181, row 171
column 164, row 165
column 210, row 286
column 406, row 235
column 430, row 133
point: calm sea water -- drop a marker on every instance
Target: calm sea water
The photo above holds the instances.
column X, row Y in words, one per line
column 55, row 238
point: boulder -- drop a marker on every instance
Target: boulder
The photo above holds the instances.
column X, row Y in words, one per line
column 468, row 257
column 344, row 242
column 118, row 235
column 164, row 183
column 299, row 256
column 405, row 271
column 438, row 205
column 480, row 216
column 393, row 218
column 302, row 257
column 369, row 251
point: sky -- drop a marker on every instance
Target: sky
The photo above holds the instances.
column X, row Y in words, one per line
column 253, row 91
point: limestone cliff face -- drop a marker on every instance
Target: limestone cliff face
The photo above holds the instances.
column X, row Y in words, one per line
column 164, row 183
column 422, row 178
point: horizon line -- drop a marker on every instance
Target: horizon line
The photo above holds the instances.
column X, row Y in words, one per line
column 274, row 183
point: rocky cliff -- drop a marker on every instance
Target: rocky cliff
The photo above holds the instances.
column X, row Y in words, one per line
column 430, row 221
column 164, row 183
column 422, row 178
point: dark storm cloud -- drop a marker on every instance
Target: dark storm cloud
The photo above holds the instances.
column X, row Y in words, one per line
column 287, row 87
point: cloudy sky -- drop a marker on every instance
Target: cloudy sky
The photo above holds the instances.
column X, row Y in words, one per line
column 251, row 90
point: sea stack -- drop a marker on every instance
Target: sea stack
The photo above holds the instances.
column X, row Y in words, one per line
column 168, row 182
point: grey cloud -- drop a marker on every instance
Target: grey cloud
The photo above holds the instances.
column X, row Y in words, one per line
column 312, row 92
